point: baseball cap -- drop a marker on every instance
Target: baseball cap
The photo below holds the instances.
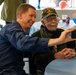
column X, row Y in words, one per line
column 48, row 11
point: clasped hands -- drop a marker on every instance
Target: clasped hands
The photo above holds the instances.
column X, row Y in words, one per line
column 66, row 53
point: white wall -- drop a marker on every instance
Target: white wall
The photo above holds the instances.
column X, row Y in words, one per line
column 60, row 13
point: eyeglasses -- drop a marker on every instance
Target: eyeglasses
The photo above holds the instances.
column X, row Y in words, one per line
column 51, row 18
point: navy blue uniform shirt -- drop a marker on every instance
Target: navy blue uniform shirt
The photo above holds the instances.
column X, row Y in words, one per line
column 13, row 42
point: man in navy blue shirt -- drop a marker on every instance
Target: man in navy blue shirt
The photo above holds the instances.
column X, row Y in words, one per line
column 13, row 41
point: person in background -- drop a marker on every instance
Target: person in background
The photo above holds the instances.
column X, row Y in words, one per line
column 49, row 30
column 8, row 13
column 14, row 42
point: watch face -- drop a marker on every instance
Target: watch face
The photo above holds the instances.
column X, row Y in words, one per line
column 73, row 35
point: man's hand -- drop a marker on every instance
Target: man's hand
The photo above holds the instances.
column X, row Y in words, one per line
column 66, row 53
column 64, row 36
column 62, row 39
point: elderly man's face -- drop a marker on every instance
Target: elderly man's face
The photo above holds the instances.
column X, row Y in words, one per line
column 51, row 22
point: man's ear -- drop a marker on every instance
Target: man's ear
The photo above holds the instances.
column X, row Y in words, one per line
column 42, row 21
column 58, row 19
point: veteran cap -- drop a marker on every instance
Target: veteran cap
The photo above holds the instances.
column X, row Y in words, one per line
column 48, row 11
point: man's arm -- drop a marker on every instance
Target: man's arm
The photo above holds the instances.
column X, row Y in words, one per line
column 63, row 38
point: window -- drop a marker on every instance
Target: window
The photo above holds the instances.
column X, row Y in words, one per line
column 40, row 4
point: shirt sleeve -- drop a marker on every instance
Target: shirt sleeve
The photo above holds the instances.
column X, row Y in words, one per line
column 25, row 43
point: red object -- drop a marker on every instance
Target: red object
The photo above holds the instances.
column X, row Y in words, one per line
column 62, row 4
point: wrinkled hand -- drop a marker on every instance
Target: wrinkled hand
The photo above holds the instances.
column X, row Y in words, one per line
column 69, row 53
column 66, row 53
